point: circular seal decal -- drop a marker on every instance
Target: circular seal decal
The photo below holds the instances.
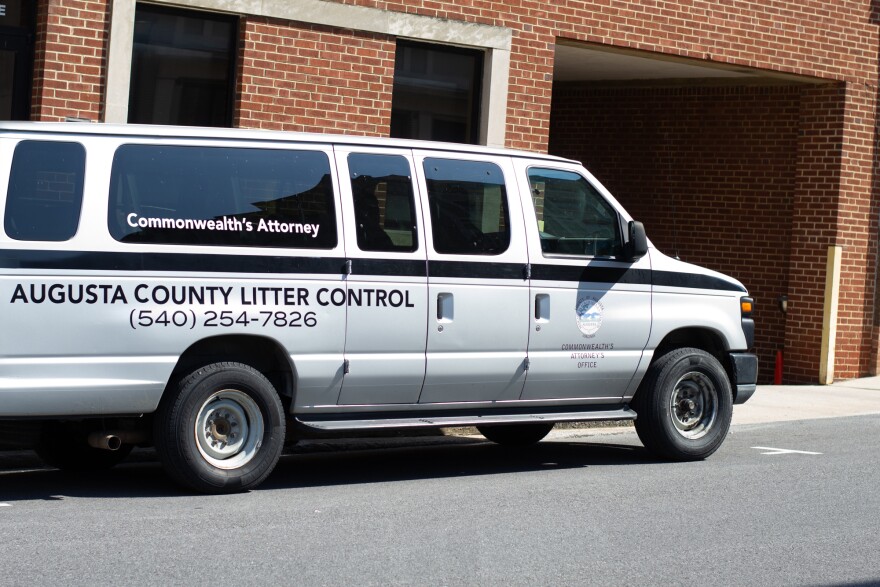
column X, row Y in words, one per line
column 589, row 316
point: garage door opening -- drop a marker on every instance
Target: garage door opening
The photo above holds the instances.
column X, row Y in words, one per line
column 705, row 155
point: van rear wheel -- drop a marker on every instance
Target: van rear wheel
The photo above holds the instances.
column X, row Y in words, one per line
column 221, row 430
column 684, row 405
column 515, row 435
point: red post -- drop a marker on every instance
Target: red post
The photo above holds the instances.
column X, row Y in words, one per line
column 777, row 373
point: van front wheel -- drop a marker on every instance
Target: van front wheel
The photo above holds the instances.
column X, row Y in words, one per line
column 684, row 405
column 221, row 430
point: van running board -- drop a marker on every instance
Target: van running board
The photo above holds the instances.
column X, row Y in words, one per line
column 332, row 422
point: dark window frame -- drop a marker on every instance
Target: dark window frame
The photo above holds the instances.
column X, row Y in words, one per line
column 232, row 49
column 475, row 113
column 19, row 40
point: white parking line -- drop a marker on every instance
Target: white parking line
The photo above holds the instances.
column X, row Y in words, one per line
column 19, row 471
column 5, row 505
column 783, row 451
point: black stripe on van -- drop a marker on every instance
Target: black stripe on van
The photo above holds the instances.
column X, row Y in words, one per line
column 483, row 270
column 631, row 276
column 591, row 274
column 694, row 281
column 400, row 267
column 116, row 261
column 262, row 264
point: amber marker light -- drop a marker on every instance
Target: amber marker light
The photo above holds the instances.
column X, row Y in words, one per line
column 745, row 305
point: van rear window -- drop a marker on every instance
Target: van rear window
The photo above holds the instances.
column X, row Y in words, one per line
column 381, row 187
column 45, row 192
column 468, row 204
column 167, row 194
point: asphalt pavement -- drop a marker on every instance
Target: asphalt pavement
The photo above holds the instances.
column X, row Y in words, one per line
column 770, row 403
column 783, row 503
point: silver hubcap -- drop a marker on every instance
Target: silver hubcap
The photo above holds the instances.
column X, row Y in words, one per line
column 229, row 429
column 694, row 405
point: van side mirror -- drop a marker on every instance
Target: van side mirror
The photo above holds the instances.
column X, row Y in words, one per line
column 636, row 246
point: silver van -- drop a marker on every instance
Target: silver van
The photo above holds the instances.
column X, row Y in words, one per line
column 216, row 292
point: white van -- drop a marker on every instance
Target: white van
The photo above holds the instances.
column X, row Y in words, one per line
column 214, row 292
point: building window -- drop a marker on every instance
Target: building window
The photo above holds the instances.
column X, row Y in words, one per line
column 16, row 57
column 436, row 93
column 182, row 67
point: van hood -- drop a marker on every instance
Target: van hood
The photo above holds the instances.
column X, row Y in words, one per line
column 674, row 273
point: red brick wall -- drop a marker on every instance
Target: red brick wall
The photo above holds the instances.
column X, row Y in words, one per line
column 756, row 182
column 314, row 79
column 710, row 170
column 833, row 40
column 737, row 203
column 834, row 205
column 814, row 226
column 70, row 59
column 856, row 215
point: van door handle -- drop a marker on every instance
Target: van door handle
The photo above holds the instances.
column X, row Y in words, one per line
column 542, row 308
column 445, row 307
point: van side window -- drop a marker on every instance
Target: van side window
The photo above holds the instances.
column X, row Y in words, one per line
column 45, row 191
column 573, row 218
column 222, row 196
column 383, row 202
column 468, row 204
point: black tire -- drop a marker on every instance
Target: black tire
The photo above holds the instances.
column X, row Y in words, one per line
column 65, row 446
column 684, row 406
column 221, row 430
column 515, row 435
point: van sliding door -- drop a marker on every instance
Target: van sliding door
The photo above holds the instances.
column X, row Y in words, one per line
column 477, row 291
column 386, row 294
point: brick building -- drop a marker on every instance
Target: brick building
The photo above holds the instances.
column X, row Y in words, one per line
column 742, row 133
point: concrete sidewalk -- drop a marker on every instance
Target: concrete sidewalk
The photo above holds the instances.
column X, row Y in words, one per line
column 779, row 403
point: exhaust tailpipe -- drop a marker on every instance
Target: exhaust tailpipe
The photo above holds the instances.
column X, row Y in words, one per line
column 113, row 440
